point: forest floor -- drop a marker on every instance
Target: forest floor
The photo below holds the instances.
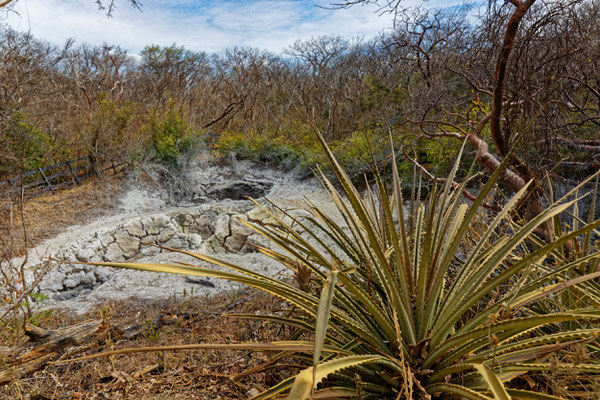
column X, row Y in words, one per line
column 185, row 374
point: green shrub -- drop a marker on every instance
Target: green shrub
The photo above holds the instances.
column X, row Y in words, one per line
column 27, row 144
column 171, row 137
column 273, row 150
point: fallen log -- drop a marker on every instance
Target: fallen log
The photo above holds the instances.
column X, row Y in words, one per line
column 45, row 346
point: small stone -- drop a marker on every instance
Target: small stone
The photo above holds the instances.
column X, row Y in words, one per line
column 194, row 241
column 161, row 220
column 203, row 224
column 185, row 220
column 255, row 239
column 268, row 217
column 148, row 240
column 238, row 228
column 149, row 251
column 65, row 295
column 253, row 393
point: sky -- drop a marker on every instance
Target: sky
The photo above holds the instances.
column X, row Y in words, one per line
column 200, row 25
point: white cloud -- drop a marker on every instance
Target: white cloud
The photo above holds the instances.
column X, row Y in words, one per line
column 197, row 25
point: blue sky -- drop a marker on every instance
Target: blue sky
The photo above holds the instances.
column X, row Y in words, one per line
column 207, row 25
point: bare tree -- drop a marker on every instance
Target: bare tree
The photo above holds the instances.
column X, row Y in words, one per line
column 108, row 6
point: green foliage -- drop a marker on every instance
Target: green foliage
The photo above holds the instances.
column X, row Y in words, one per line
column 438, row 155
column 434, row 302
column 274, row 150
column 151, row 331
column 379, row 95
column 36, row 303
column 171, row 136
column 26, row 143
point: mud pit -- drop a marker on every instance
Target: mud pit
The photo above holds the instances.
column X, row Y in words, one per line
column 206, row 221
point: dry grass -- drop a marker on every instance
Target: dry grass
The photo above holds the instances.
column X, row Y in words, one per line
column 47, row 215
column 170, row 375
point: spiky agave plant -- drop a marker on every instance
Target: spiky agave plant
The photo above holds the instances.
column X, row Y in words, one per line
column 420, row 306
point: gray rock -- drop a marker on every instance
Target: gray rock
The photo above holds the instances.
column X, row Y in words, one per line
column 259, row 214
column 66, row 295
column 86, row 279
column 135, row 228
column 222, row 230
column 149, row 251
column 194, row 241
column 70, row 283
column 103, row 274
column 178, row 241
column 166, row 232
column 161, row 220
column 114, row 253
column 150, row 227
column 105, row 238
column 85, row 254
column 52, row 282
column 184, row 220
column 255, row 239
column 129, row 245
column 213, row 245
column 203, row 224
column 238, row 228
column 235, row 242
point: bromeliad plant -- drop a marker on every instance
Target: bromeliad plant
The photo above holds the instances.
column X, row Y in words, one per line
column 424, row 304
